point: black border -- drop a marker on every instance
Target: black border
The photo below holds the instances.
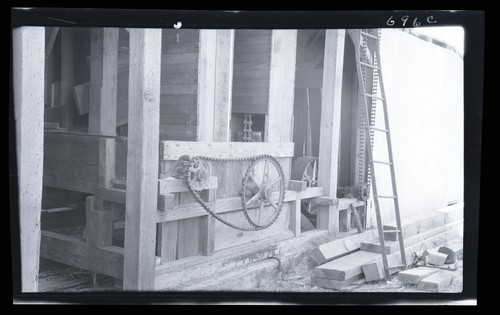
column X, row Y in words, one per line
column 471, row 21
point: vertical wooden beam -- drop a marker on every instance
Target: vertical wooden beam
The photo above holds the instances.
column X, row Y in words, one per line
column 206, row 85
column 103, row 97
column 223, row 84
column 99, row 222
column 67, row 77
column 28, row 81
column 207, row 226
column 168, row 240
column 328, row 216
column 142, row 159
column 295, row 216
column 279, row 121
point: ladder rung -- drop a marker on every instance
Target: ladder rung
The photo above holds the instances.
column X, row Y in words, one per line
column 382, row 162
column 374, row 96
column 369, row 35
column 391, row 231
column 378, row 129
column 369, row 65
column 391, row 197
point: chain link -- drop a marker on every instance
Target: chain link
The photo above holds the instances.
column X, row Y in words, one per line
column 253, row 159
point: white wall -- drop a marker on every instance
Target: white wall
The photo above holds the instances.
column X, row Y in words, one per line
column 424, row 90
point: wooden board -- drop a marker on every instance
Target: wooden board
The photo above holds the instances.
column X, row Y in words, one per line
column 328, row 216
column 206, row 85
column 168, row 243
column 227, row 205
column 81, row 95
column 188, row 238
column 172, row 150
column 71, row 176
column 223, row 85
column 28, row 83
column 142, row 158
column 76, row 149
column 72, row 251
column 67, row 77
column 174, row 89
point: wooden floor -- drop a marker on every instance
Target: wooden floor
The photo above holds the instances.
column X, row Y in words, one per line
column 56, row 277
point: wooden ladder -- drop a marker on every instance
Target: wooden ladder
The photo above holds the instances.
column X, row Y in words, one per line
column 367, row 42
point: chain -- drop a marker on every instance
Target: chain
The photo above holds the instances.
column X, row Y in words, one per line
column 186, row 167
column 364, row 187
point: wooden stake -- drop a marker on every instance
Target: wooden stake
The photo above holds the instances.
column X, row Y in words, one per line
column 28, row 82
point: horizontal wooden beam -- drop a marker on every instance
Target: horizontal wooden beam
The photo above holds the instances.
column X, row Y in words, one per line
column 227, row 205
column 74, row 252
column 172, row 150
column 171, row 185
column 111, row 194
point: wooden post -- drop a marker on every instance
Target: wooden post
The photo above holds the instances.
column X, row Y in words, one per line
column 279, row 121
column 206, row 85
column 328, row 216
column 223, row 84
column 103, row 97
column 28, row 81
column 142, row 159
column 67, row 77
column 295, row 216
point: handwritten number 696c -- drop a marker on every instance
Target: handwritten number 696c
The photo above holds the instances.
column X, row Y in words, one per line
column 416, row 22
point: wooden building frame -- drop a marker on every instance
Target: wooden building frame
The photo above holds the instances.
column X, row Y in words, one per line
column 148, row 201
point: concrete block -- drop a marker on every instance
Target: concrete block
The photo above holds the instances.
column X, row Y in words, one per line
column 436, row 258
column 436, row 282
column 413, row 276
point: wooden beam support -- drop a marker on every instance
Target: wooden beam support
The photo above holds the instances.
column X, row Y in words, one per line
column 103, row 97
column 28, row 82
column 207, row 226
column 295, row 216
column 223, row 85
column 279, row 121
column 206, row 85
column 67, row 77
column 142, row 159
column 328, row 216
column 192, row 210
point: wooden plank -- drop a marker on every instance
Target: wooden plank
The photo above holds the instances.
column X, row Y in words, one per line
column 207, row 226
column 295, row 217
column 99, row 224
column 180, row 36
column 188, row 238
column 297, row 185
column 111, row 194
column 168, row 249
column 223, row 85
column 227, row 205
column 173, row 150
column 251, row 91
column 28, row 82
column 181, row 120
column 279, row 122
column 70, row 176
column 242, row 73
column 253, row 32
column 179, row 78
column 106, row 162
column 251, row 48
column 243, row 107
column 168, row 59
column 177, row 100
column 142, row 158
column 340, row 247
column 206, row 85
column 71, row 148
column 250, row 83
column 264, row 39
column 251, row 58
column 67, row 77
column 172, row 185
column 328, row 216
column 181, row 47
column 176, row 132
column 81, row 95
column 357, row 221
column 174, row 89
column 179, row 68
column 165, row 201
column 72, row 251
